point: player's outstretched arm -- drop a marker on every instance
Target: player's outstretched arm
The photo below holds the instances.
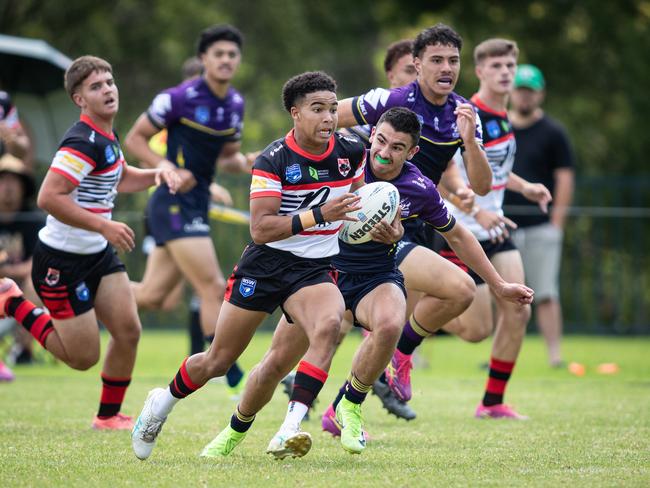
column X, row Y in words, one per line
column 535, row 192
column 232, row 160
column 468, row 249
column 54, row 198
column 136, row 179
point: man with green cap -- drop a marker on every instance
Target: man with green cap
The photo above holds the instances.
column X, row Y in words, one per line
column 544, row 155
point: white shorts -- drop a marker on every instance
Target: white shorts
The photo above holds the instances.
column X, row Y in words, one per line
column 541, row 251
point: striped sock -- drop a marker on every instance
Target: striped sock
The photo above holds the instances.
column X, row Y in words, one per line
column 412, row 336
column 308, row 383
column 182, row 385
column 356, row 391
column 240, row 422
column 33, row 318
column 340, row 394
column 498, row 377
column 113, row 391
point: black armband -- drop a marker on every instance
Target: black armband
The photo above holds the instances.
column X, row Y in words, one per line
column 296, row 225
column 318, row 215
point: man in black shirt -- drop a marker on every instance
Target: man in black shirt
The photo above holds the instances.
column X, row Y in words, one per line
column 544, row 155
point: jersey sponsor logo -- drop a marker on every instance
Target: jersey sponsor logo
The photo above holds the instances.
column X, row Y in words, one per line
column 405, row 205
column 52, row 277
column 436, row 123
column 454, row 131
column 220, row 114
column 419, row 182
column 493, row 128
column 293, row 173
column 110, row 154
column 313, row 172
column 344, row 166
column 234, row 120
column 202, row 114
column 82, row 292
column 505, row 126
column 197, row 225
column 191, row 93
column 275, row 150
column 91, row 138
column 258, row 183
column 247, row 287
column 71, row 163
column 376, row 96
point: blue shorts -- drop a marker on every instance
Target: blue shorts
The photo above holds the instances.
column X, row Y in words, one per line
column 170, row 217
column 402, row 250
column 355, row 286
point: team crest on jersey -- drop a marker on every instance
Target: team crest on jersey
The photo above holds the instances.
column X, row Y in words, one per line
column 109, row 152
column 293, row 173
column 344, row 166
column 247, row 287
column 52, row 277
column 82, row 292
column 202, row 114
column 493, row 129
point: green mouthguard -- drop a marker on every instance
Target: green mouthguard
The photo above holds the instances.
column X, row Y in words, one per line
column 381, row 160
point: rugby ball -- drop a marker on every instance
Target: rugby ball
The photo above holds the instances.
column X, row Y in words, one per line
column 379, row 201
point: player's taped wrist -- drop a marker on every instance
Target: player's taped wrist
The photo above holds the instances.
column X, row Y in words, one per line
column 318, row 215
column 296, row 225
column 307, row 219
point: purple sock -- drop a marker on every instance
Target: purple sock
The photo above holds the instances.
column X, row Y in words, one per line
column 409, row 339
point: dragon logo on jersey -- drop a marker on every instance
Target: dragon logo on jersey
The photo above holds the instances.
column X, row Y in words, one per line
column 52, row 276
column 293, row 173
column 493, row 129
column 344, row 166
column 202, row 114
column 247, row 287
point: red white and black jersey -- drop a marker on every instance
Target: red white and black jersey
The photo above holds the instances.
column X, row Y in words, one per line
column 500, row 147
column 93, row 161
column 303, row 181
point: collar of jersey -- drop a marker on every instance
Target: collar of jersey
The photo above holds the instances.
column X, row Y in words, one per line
column 88, row 121
column 293, row 145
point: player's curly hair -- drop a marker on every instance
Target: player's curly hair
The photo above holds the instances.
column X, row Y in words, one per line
column 403, row 120
column 438, row 34
column 220, row 32
column 304, row 84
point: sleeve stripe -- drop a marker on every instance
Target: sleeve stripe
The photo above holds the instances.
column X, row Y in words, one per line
column 66, row 175
column 356, row 111
column 266, row 174
column 79, row 154
column 262, row 194
column 155, row 122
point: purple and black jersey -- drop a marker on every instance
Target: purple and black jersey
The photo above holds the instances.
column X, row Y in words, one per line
column 198, row 123
column 440, row 137
column 420, row 201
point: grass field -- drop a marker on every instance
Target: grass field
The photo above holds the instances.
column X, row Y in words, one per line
column 584, row 431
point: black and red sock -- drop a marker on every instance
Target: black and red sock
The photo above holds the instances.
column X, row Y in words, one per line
column 308, row 383
column 498, row 377
column 113, row 391
column 37, row 322
column 182, row 385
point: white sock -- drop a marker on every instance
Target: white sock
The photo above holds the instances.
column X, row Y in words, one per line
column 296, row 411
column 163, row 403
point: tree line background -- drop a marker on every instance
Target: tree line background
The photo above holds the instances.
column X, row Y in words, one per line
column 593, row 55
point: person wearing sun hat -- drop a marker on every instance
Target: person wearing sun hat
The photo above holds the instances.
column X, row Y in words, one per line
column 18, row 234
column 544, row 155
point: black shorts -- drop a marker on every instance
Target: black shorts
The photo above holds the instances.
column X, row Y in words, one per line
column 402, row 250
column 490, row 248
column 265, row 278
column 355, row 286
column 170, row 217
column 67, row 282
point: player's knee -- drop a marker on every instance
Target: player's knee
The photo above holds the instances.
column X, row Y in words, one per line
column 129, row 336
column 149, row 301
column 83, row 361
column 464, row 292
column 476, row 334
column 389, row 328
column 327, row 330
column 517, row 315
